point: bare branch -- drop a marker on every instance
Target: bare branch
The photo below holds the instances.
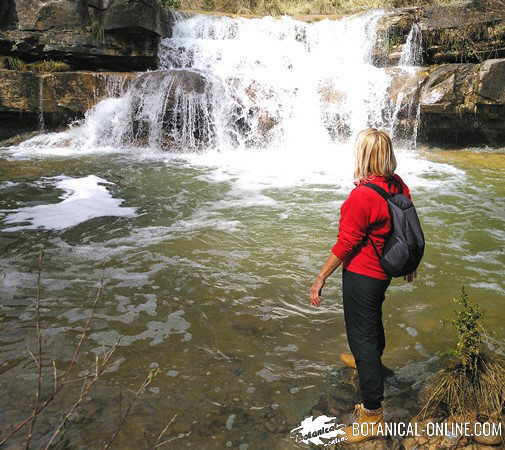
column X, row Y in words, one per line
column 148, row 380
column 36, row 404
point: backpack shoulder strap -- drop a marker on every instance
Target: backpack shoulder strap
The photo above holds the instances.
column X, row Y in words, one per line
column 385, row 195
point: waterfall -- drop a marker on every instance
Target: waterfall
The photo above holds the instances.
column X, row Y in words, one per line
column 41, row 103
column 252, row 83
column 412, row 52
column 284, row 82
column 406, row 108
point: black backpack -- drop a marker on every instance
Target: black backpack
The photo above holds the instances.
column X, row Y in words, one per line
column 404, row 246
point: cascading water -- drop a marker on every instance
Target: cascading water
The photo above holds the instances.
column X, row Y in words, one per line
column 242, row 83
column 285, row 82
column 406, row 109
column 412, row 52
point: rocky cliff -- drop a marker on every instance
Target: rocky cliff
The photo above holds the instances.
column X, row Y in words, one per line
column 119, row 35
column 93, row 41
column 459, row 87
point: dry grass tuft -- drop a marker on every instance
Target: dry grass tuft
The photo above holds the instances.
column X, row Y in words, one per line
column 454, row 391
column 301, row 7
column 49, row 66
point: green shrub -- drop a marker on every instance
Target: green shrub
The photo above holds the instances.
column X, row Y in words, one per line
column 469, row 331
column 474, row 383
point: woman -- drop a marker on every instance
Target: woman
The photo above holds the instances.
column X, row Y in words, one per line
column 364, row 217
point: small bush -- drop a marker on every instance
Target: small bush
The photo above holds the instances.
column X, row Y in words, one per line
column 468, row 328
column 474, row 383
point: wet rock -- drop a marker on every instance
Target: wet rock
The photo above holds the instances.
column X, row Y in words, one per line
column 274, row 421
column 183, row 117
column 450, row 33
column 60, row 97
column 392, row 32
column 250, row 324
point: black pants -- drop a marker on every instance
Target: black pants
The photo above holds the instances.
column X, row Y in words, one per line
column 363, row 298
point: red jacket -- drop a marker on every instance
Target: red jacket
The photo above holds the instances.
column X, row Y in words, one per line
column 362, row 208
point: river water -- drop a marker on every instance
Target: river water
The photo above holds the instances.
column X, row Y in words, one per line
column 208, row 253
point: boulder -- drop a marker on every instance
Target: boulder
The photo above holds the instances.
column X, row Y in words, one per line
column 171, row 109
column 144, row 15
column 491, row 81
column 42, row 15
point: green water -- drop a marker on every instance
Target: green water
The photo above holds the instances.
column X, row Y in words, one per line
column 209, row 282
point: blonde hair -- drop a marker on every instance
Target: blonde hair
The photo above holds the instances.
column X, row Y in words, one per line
column 374, row 154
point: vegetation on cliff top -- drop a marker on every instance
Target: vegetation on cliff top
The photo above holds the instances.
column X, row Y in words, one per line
column 312, row 7
column 15, row 63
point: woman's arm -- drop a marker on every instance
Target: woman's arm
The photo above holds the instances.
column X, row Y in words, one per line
column 328, row 268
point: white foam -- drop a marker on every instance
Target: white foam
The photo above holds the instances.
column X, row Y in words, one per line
column 84, row 199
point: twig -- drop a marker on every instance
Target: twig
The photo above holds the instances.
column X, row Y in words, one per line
column 38, row 393
column 100, row 367
column 73, row 362
column 158, row 443
column 148, row 380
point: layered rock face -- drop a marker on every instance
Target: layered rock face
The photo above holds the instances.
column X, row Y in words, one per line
column 94, row 37
column 464, row 104
column 120, row 35
column 450, row 34
column 30, row 100
column 460, row 88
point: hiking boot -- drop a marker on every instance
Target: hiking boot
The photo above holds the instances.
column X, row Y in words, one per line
column 368, row 421
column 348, row 360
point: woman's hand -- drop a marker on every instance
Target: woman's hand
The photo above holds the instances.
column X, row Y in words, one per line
column 410, row 277
column 315, row 292
column 328, row 268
